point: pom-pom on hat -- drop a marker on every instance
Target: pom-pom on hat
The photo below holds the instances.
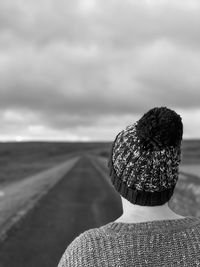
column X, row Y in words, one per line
column 145, row 157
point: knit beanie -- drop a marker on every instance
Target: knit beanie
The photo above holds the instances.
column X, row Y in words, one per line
column 145, row 157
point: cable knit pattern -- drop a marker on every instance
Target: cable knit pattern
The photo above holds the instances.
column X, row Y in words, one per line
column 148, row 170
column 157, row 243
column 144, row 158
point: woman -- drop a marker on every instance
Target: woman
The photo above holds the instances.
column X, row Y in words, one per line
column 143, row 164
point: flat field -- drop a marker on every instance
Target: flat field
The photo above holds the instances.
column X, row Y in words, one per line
column 45, row 186
column 191, row 152
column 19, row 160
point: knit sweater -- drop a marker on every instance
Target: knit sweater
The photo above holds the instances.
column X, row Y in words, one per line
column 173, row 242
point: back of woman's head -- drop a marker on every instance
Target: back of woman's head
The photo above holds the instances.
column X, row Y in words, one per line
column 145, row 157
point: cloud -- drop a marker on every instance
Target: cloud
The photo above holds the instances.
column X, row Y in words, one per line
column 71, row 66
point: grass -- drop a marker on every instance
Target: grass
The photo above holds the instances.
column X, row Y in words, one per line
column 186, row 198
column 20, row 160
column 191, row 152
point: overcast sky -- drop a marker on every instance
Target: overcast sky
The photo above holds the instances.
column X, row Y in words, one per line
column 85, row 69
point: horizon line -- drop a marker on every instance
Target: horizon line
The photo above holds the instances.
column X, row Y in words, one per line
column 72, row 141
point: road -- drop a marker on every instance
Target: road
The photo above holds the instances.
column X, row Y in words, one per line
column 20, row 196
column 83, row 199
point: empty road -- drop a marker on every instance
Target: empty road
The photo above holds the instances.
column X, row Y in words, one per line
column 82, row 199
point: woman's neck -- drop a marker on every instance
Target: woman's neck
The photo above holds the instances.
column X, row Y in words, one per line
column 136, row 213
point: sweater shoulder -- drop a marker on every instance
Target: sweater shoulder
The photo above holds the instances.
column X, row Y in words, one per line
column 88, row 236
column 93, row 233
column 83, row 240
column 91, row 236
column 80, row 251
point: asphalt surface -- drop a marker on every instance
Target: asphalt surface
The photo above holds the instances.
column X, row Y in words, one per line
column 18, row 197
column 81, row 200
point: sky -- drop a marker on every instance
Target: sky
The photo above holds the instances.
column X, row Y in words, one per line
column 83, row 70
